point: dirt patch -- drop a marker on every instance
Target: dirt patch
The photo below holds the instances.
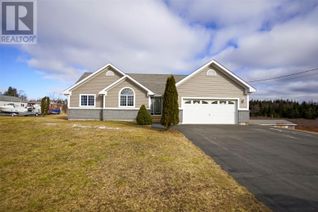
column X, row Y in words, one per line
column 306, row 124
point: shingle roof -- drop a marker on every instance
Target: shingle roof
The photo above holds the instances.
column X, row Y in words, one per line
column 84, row 75
column 154, row 82
column 9, row 98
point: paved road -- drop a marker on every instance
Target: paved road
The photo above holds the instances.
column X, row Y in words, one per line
column 279, row 166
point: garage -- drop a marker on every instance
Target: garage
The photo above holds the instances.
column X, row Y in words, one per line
column 209, row 111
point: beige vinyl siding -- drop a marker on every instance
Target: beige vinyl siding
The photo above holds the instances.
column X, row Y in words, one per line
column 201, row 85
column 93, row 86
column 112, row 98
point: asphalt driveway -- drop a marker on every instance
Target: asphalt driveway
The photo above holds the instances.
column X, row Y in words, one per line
column 279, row 166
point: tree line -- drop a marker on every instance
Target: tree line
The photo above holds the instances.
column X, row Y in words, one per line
column 283, row 109
column 15, row 92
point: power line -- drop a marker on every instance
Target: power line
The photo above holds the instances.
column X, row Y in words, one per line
column 286, row 75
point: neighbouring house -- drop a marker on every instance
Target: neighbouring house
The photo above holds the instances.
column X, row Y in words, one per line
column 5, row 100
column 210, row 95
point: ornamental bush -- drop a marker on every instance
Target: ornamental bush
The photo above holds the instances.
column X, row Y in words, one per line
column 143, row 117
column 45, row 103
column 170, row 111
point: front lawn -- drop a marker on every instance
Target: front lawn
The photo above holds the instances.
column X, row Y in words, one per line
column 53, row 164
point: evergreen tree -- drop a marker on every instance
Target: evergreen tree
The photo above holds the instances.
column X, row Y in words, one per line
column 11, row 92
column 143, row 117
column 284, row 109
column 45, row 103
column 170, row 111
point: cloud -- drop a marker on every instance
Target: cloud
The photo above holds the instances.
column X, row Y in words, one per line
column 289, row 47
column 54, row 69
column 142, row 36
column 223, row 13
column 308, row 87
column 294, row 43
column 230, row 19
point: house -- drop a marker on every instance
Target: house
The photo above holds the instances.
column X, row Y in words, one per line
column 210, row 95
column 4, row 100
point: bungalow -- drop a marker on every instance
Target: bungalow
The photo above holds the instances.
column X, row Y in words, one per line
column 210, row 95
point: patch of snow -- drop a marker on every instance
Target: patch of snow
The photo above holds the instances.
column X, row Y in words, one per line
column 95, row 127
column 51, row 124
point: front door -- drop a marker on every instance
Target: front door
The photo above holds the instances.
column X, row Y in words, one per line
column 156, row 105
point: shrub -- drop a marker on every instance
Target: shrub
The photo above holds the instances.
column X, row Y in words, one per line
column 143, row 117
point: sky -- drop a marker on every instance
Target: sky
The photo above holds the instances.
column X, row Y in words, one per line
column 255, row 39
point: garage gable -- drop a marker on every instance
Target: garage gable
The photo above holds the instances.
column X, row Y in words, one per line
column 211, row 77
column 217, row 67
column 210, row 81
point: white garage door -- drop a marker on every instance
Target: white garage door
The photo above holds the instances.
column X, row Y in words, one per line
column 209, row 111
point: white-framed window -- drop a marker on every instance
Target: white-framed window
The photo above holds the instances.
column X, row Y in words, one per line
column 87, row 100
column 127, row 97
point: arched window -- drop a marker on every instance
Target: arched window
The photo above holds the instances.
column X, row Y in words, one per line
column 127, row 97
column 109, row 73
column 211, row 72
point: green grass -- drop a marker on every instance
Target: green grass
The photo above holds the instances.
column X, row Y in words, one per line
column 53, row 164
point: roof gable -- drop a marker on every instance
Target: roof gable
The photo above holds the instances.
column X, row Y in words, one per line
column 124, row 80
column 86, row 76
column 222, row 69
column 104, row 90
